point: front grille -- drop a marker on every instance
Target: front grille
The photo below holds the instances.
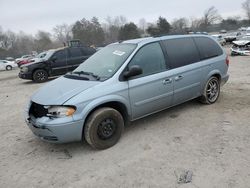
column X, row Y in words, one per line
column 37, row 110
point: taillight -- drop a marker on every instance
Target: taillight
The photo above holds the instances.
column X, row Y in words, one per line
column 227, row 60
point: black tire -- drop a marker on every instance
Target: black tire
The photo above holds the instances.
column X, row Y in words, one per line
column 211, row 91
column 103, row 128
column 40, row 76
column 8, row 67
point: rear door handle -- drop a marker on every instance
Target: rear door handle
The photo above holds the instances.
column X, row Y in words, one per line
column 167, row 81
column 177, row 78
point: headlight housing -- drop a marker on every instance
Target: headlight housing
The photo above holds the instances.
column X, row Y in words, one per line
column 60, row 111
column 24, row 69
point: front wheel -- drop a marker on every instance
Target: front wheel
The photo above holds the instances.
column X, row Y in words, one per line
column 211, row 91
column 8, row 67
column 40, row 76
column 103, row 128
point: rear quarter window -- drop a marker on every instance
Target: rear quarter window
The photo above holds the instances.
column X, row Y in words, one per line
column 181, row 51
column 207, row 47
column 88, row 51
column 75, row 52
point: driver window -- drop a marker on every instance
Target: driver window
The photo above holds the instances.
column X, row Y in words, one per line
column 60, row 56
column 150, row 58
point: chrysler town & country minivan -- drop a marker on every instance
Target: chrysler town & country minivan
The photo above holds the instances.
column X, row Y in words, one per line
column 123, row 82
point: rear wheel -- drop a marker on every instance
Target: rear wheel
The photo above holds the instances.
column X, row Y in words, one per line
column 103, row 128
column 40, row 76
column 8, row 67
column 211, row 91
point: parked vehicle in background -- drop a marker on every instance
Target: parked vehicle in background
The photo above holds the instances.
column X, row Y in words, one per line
column 23, row 62
column 233, row 37
column 7, row 65
column 126, row 81
column 24, row 57
column 223, row 31
column 242, row 29
column 241, row 47
column 9, row 59
column 37, row 58
column 55, row 62
column 220, row 39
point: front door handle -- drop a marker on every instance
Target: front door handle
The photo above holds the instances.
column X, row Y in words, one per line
column 177, row 78
column 167, row 81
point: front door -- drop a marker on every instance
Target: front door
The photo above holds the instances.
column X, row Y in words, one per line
column 153, row 89
column 58, row 63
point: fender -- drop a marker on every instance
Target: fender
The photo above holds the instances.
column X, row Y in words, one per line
column 98, row 102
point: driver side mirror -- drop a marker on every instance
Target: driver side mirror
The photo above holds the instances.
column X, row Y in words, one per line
column 134, row 70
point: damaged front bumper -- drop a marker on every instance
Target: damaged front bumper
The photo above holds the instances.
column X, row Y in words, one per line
column 55, row 130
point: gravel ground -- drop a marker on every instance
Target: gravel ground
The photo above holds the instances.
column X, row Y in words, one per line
column 212, row 141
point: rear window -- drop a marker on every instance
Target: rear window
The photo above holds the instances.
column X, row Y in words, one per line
column 181, row 52
column 208, row 48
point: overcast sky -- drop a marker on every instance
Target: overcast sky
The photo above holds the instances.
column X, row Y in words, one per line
column 32, row 15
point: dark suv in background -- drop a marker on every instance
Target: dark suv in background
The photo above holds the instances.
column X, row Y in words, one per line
column 56, row 62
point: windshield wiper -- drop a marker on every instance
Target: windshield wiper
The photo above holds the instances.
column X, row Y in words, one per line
column 87, row 73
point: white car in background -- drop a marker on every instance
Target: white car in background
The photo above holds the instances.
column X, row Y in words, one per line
column 7, row 65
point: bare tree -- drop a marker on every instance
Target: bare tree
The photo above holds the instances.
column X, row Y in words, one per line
column 179, row 25
column 211, row 16
column 195, row 24
column 246, row 8
column 63, row 32
column 112, row 27
column 43, row 41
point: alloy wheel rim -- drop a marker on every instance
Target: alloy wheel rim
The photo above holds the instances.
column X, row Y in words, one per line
column 212, row 90
column 41, row 76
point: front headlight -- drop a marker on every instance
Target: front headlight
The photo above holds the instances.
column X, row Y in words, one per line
column 24, row 69
column 60, row 111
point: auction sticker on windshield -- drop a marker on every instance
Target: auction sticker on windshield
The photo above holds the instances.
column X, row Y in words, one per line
column 117, row 52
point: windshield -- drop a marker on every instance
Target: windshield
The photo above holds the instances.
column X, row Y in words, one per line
column 107, row 61
column 41, row 55
column 46, row 55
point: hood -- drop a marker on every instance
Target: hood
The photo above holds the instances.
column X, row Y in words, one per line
column 32, row 63
column 60, row 90
column 37, row 60
column 241, row 42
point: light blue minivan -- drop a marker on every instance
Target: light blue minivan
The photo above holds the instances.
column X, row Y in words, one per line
column 126, row 81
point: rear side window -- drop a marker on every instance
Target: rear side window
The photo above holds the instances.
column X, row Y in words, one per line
column 208, row 48
column 88, row 51
column 75, row 52
column 181, row 52
column 60, row 55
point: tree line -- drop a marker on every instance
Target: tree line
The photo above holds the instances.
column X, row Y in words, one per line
column 92, row 32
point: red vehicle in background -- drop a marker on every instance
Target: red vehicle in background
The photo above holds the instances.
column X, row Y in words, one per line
column 23, row 62
column 38, row 58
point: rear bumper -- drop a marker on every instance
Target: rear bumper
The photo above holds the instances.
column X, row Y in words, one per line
column 224, row 79
column 27, row 76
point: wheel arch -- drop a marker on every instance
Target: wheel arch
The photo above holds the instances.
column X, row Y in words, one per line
column 215, row 73
column 39, row 68
column 118, row 105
